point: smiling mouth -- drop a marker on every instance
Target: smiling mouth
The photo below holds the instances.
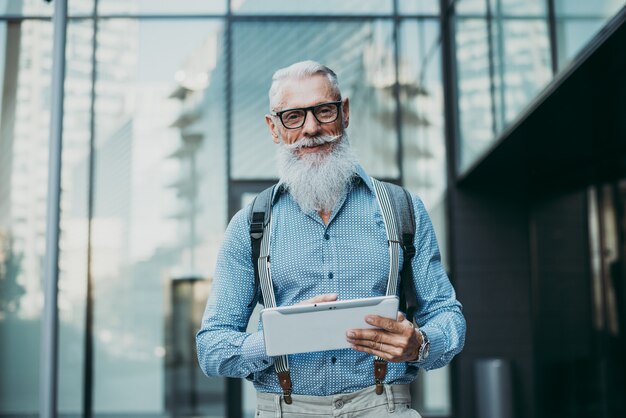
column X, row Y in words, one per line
column 315, row 148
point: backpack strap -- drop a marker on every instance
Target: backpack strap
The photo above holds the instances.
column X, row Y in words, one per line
column 258, row 219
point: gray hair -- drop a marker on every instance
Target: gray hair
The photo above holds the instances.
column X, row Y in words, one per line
column 301, row 70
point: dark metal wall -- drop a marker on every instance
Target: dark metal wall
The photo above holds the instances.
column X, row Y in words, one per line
column 520, row 243
column 562, row 299
column 492, row 270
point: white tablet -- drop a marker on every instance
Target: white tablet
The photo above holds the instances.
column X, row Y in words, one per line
column 320, row 326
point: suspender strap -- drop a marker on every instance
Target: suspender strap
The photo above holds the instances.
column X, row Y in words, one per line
column 405, row 220
column 396, row 206
column 393, row 238
column 260, row 228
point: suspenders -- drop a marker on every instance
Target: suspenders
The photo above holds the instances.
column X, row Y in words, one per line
column 380, row 365
column 396, row 207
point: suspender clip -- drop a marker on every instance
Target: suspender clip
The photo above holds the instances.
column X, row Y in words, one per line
column 284, row 378
column 380, row 371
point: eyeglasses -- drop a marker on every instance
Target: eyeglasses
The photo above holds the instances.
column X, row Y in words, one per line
column 295, row 118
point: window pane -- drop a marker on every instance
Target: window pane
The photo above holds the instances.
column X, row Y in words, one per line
column 585, row 8
column 579, row 21
column 42, row 8
column 573, row 35
column 80, row 7
column 25, row 63
column 521, row 65
column 421, row 98
column 418, row 7
column 318, row 7
column 464, row 7
column 473, row 84
column 520, row 51
column 26, row 7
column 518, row 7
column 361, row 54
column 161, row 6
column 159, row 212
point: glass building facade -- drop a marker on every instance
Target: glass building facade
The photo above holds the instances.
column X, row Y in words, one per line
column 164, row 140
column 507, row 51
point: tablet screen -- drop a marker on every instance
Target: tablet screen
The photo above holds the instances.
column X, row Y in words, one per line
column 321, row 326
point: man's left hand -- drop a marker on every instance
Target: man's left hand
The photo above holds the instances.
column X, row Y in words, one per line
column 396, row 340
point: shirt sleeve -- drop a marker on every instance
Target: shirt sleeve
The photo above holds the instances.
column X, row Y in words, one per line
column 439, row 314
column 224, row 347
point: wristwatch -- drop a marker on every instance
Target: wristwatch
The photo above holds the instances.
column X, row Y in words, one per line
column 422, row 354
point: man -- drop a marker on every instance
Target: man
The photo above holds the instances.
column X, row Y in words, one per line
column 328, row 242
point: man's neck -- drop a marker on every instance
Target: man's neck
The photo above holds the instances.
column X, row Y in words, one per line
column 325, row 216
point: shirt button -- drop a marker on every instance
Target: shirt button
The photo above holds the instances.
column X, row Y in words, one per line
column 330, row 275
column 338, row 404
column 326, row 236
column 333, row 359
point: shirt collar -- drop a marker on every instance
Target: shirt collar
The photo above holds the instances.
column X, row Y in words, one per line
column 359, row 177
column 362, row 176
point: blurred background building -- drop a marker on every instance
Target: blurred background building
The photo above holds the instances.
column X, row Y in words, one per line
column 505, row 116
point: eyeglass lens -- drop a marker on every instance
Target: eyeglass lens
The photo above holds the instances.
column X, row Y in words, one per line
column 324, row 113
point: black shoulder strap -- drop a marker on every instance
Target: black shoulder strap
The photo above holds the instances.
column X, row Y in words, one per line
column 402, row 203
column 259, row 218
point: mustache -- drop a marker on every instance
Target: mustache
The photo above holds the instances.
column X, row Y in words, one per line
column 312, row 142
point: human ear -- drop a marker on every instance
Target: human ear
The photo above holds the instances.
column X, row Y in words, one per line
column 269, row 120
column 346, row 112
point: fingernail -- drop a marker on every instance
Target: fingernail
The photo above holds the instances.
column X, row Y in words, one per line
column 369, row 319
column 351, row 334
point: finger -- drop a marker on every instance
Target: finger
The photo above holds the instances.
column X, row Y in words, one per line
column 381, row 350
column 367, row 336
column 327, row 297
column 401, row 317
column 387, row 324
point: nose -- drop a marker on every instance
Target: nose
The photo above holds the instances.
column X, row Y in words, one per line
column 311, row 126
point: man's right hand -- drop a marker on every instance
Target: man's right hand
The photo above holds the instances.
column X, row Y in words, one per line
column 326, row 297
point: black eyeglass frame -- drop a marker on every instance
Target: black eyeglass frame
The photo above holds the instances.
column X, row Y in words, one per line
column 306, row 113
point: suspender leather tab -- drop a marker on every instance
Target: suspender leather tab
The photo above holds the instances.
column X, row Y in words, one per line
column 380, row 371
column 284, row 378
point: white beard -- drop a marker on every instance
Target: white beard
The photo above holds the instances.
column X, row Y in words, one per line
column 317, row 181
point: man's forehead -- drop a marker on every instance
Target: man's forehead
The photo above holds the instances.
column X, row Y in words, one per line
column 304, row 92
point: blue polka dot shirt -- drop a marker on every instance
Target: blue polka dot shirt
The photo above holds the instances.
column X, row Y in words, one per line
column 350, row 257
